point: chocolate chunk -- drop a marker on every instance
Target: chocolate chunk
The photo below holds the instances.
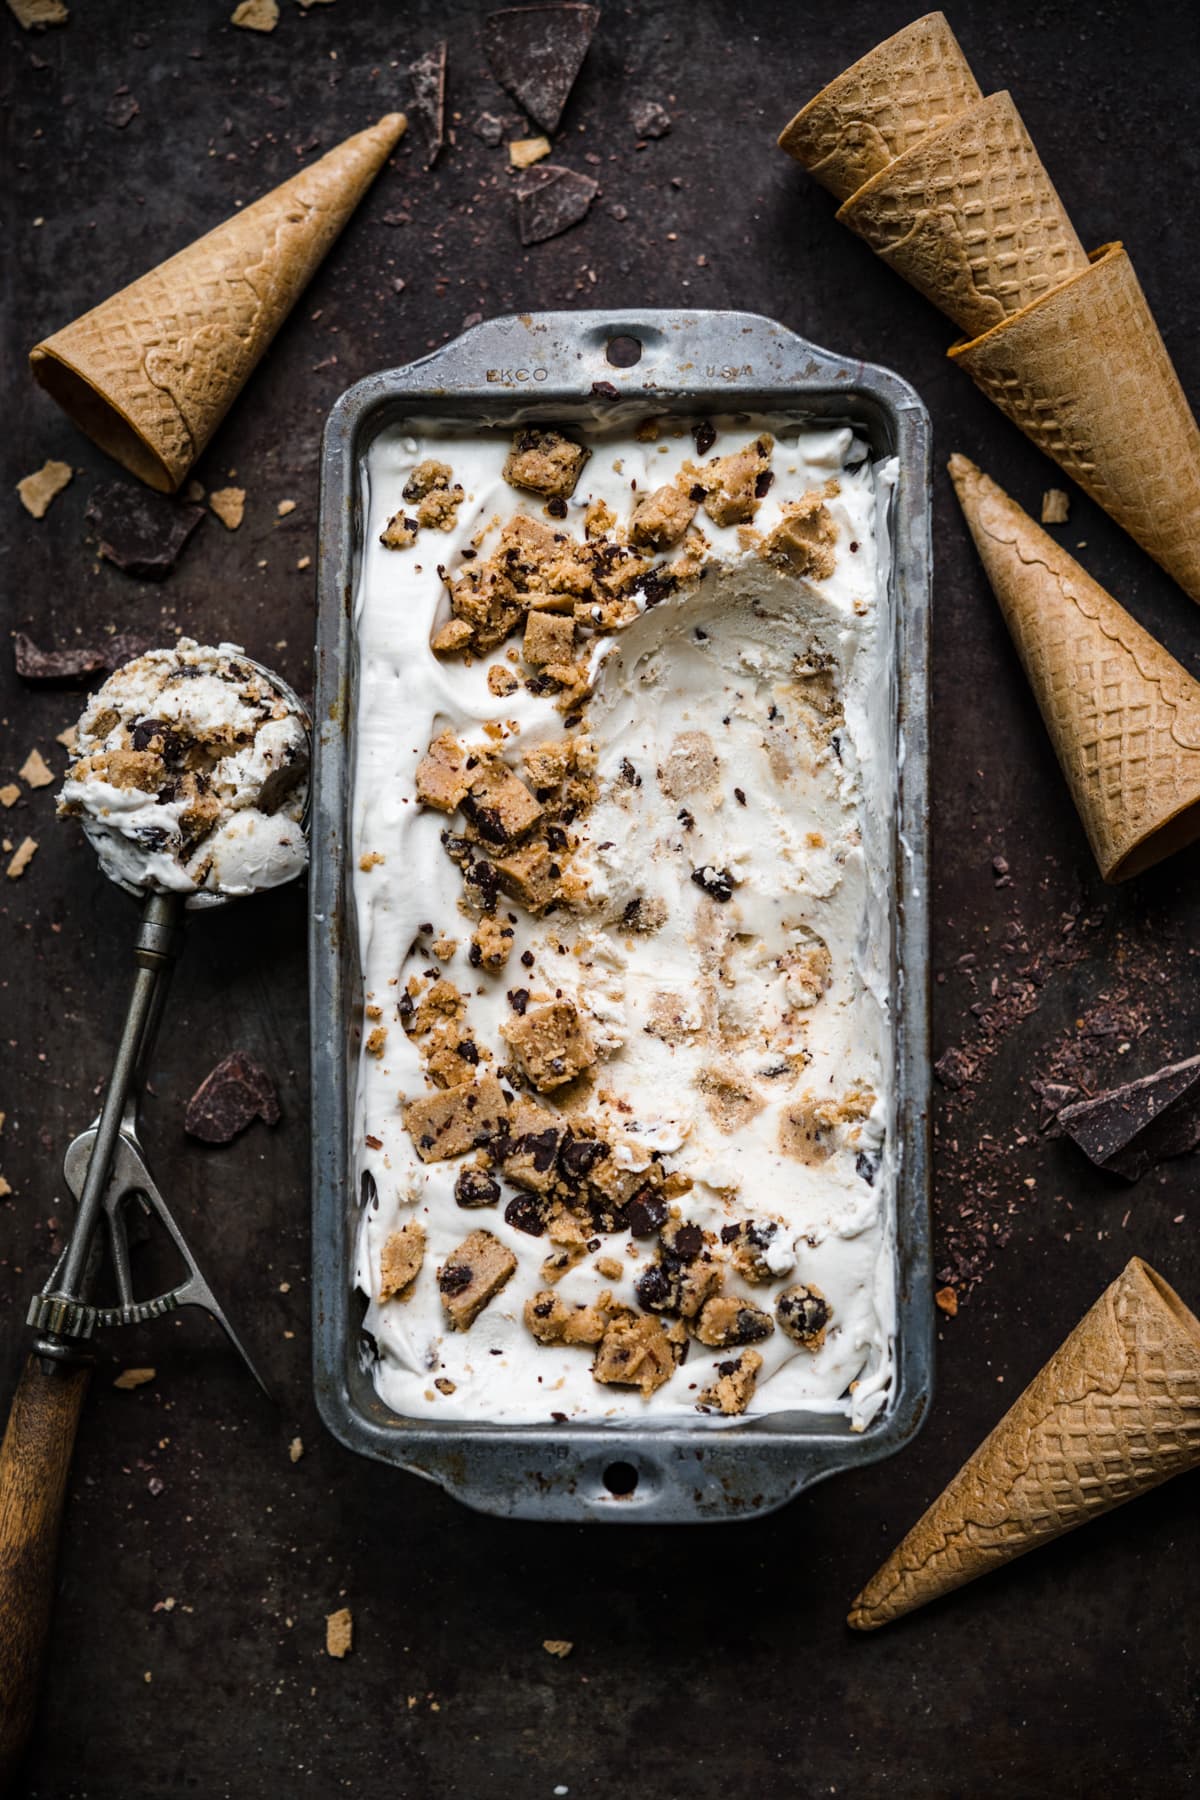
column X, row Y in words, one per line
column 954, row 1068
column 66, row 668
column 121, row 110
column 454, row 1278
column 657, row 585
column 524, row 1213
column 866, row 1165
column 550, row 200
column 368, row 1193
column 536, row 52
column 578, row 1156
column 489, row 129
column 650, row 120
column 237, row 1092
column 142, row 533
column 716, row 882
column 427, row 109
column 646, row 1213
column 474, row 1187
column 1130, row 1128
column 705, row 435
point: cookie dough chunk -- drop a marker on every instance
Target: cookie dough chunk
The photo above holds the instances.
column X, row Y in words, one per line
column 803, row 541
column 639, row 1352
column 551, row 1044
column 749, row 1242
column 549, row 638
column 733, row 1389
column 552, row 1321
column 457, row 1120
column 431, row 489
column 472, row 1275
column 661, row 518
column 562, row 776
column 733, row 485
column 498, row 806
column 491, row 944
column 401, row 1260
column 545, row 462
column 684, row 1274
column 726, row 1321
column 803, row 1313
column 400, row 532
column 809, row 1129
column 442, row 774
column 530, row 1153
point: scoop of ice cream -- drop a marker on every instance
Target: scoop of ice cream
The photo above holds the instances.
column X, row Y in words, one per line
column 192, row 774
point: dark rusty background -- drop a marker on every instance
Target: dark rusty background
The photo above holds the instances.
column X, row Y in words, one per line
column 708, row 1661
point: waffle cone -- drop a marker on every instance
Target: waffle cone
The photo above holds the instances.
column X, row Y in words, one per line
column 970, row 217
column 1115, row 1412
column 150, row 373
column 1085, row 374
column 896, row 94
column 1123, row 715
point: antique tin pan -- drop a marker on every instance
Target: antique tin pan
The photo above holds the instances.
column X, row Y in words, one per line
column 545, row 366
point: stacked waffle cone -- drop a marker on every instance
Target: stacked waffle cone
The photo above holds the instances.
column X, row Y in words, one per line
column 150, row 373
column 1114, row 1412
column 947, row 187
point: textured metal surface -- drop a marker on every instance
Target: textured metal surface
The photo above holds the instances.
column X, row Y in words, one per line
column 542, row 366
column 706, row 1664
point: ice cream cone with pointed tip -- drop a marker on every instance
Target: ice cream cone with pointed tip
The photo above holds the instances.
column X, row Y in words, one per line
column 1123, row 715
column 150, row 373
column 1114, row 1412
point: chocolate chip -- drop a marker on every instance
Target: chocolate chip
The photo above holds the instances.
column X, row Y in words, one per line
column 476, row 1188
column 527, row 959
column 524, row 1213
column 454, row 1278
column 657, row 585
column 867, row 1166
column 655, row 1289
column 518, row 999
column 629, row 774
column 468, row 1051
column 579, row 1156
column 762, row 484
column 739, row 796
column 232, row 1096
column 140, row 532
column 368, row 1193
column 716, row 882
column 646, row 1213
column 685, row 1243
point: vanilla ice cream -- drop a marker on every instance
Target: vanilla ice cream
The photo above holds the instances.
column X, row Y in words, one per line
column 191, row 774
column 622, row 852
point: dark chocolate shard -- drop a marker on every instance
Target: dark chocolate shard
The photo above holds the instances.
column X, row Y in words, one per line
column 1054, row 1095
column 550, row 200
column 536, row 52
column 1130, row 1128
column 489, row 129
column 70, row 668
column 141, row 532
column 121, row 110
column 649, row 119
column 427, row 109
column 237, row 1092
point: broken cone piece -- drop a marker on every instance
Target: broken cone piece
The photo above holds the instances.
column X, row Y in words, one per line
column 150, row 373
column 237, row 1092
column 1130, row 1128
column 1123, row 715
column 536, row 52
column 1114, row 1412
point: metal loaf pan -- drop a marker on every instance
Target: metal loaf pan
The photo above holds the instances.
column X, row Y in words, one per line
column 547, row 367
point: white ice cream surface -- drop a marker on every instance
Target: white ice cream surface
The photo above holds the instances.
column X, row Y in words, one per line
column 743, row 727
column 173, row 754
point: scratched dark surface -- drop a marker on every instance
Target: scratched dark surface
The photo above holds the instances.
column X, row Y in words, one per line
column 198, row 1560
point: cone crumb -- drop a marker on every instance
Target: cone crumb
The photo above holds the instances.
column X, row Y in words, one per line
column 10, row 793
column 229, row 504
column 296, row 1449
column 947, row 1301
column 524, row 152
column 284, row 508
column 1056, row 506
column 34, row 15
column 558, row 1646
column 22, row 857
column 134, row 1378
column 256, row 15
column 34, row 771
column 45, row 485
column 339, row 1632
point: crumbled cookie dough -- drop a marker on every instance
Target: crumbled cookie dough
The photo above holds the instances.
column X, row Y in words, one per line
column 549, row 638
column 803, row 1314
column 498, row 807
column 733, row 1390
column 442, row 775
column 376, row 1041
column 683, row 1275
column 808, row 1126
column 660, row 519
column 401, row 1259
column 37, row 491
column 639, row 1352
column 545, row 462
column 491, row 944
column 472, row 1275
column 803, row 541
column 431, row 502
column 551, row 1044
column 501, row 681
column 474, row 1187
column 751, row 1242
column 725, row 1321
column 730, row 487
column 552, row 1321
column 400, row 532
column 456, row 1120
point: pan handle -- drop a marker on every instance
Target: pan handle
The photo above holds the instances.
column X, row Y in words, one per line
column 34, row 1460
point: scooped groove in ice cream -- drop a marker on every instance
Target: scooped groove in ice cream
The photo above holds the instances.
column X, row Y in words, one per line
column 191, row 774
column 664, row 1191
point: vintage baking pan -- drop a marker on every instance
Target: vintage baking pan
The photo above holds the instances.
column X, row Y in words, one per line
column 559, row 366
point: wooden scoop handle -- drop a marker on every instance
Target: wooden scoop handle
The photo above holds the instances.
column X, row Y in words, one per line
column 34, row 1460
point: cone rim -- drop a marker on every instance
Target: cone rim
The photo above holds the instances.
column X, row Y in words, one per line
column 876, row 182
column 1104, row 256
column 101, row 418
column 851, row 68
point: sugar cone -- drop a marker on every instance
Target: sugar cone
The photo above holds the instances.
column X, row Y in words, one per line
column 871, row 113
column 1112, row 1414
column 1085, row 374
column 970, row 217
column 150, row 373
column 1123, row 715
